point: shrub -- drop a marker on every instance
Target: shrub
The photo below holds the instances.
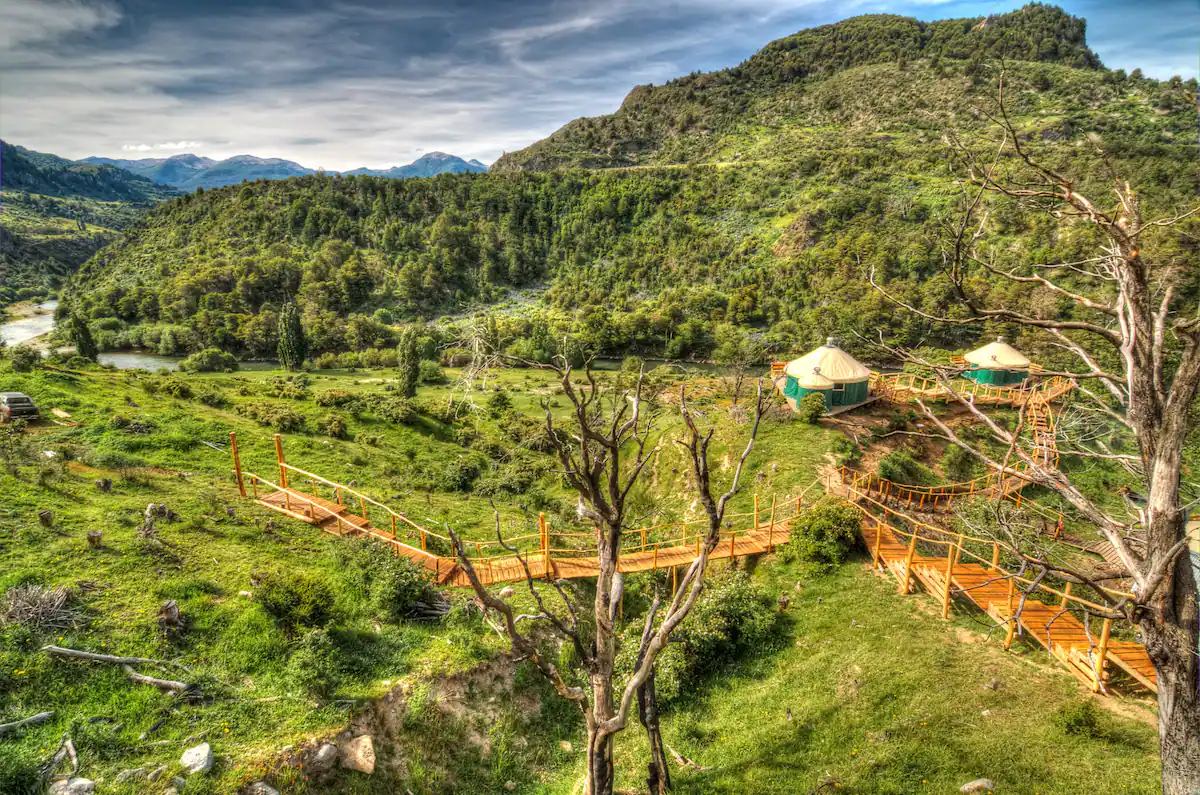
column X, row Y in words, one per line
column 732, row 616
column 823, row 533
column 327, row 361
column 315, row 666
column 391, row 585
column 429, row 372
column 24, row 358
column 959, row 465
column 811, row 408
column 290, row 388
column 1080, row 719
column 498, row 403
column 899, row 466
column 392, row 408
column 336, row 398
column 210, row 360
column 295, row 600
column 459, row 475
column 282, row 418
column 210, row 396
column 333, row 425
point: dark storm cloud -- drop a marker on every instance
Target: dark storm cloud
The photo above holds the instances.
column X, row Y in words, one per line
column 346, row 84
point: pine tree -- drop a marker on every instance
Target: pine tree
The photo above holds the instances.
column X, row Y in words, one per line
column 408, row 360
column 81, row 336
column 293, row 346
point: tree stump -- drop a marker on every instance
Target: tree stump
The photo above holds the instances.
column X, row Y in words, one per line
column 46, row 518
column 168, row 615
column 104, row 485
column 95, row 538
column 269, row 527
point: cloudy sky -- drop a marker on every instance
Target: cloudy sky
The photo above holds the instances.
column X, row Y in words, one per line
column 347, row 83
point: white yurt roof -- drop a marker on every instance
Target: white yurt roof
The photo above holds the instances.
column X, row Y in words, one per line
column 827, row 363
column 998, row 355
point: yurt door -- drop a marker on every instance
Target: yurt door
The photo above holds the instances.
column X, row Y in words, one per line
column 839, row 394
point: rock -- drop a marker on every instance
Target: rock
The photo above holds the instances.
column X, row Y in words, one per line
column 157, row 773
column 95, row 538
column 566, row 746
column 72, row 786
column 198, row 759
column 261, row 788
column 979, row 785
column 987, row 713
column 510, row 785
column 506, row 592
column 323, row 759
column 178, row 783
column 359, row 754
column 246, row 594
column 995, row 684
column 131, row 774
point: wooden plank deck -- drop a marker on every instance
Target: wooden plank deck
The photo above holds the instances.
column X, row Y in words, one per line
column 339, row 520
column 1060, row 633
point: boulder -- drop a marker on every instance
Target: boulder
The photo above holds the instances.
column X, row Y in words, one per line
column 359, row 754
column 980, row 786
column 261, row 788
column 323, row 759
column 506, row 592
column 566, row 746
column 72, row 786
column 198, row 759
column 131, row 774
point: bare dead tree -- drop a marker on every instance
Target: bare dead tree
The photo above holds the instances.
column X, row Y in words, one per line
column 1138, row 346
column 602, row 450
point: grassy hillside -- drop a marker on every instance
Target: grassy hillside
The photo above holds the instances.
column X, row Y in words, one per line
column 758, row 198
column 884, row 696
column 56, row 213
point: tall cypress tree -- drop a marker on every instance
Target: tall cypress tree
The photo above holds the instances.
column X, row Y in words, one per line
column 408, row 360
column 81, row 336
column 293, row 345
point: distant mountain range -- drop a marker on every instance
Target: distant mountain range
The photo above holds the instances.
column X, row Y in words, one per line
column 188, row 172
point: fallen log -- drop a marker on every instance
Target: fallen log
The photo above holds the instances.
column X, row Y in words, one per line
column 162, row 684
column 32, row 720
column 108, row 658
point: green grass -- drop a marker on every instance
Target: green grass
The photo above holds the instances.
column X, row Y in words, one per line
column 510, row 726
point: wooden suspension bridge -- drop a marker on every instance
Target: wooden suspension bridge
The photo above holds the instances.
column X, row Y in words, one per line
column 548, row 553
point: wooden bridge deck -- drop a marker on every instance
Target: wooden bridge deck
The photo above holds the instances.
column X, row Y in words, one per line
column 339, row 520
column 1058, row 631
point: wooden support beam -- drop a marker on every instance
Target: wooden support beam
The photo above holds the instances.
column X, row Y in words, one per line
column 237, row 463
column 905, row 585
column 1102, row 655
column 279, row 458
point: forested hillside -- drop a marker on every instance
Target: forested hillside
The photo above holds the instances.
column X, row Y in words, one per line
column 57, row 213
column 824, row 157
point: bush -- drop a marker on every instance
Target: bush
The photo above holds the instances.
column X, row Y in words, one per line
column 428, row 372
column 732, row 616
column 899, row 466
column 24, row 358
column 327, row 361
column 336, row 398
column 823, row 533
column 295, row 600
column 810, row 408
column 1080, row 719
column 391, row 585
column 392, row 408
column 282, row 418
column 315, row 666
column 333, row 425
column 211, row 396
column 210, row 360
column 459, row 475
column 959, row 465
column 498, row 403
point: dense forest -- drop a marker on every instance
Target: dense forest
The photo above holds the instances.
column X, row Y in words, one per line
column 57, row 213
column 766, row 230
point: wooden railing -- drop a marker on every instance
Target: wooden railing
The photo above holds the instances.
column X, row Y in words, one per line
column 956, row 548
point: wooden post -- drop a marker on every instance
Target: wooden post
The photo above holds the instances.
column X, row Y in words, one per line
column 310, row 510
column 237, row 463
column 995, row 556
column 254, row 487
column 1102, row 654
column 1018, row 499
column 338, row 489
column 771, row 527
column 656, row 557
column 674, row 579
column 393, row 525
column 362, row 504
column 732, row 536
column 1012, row 619
column 756, row 510
column 280, row 459
column 287, row 500
column 908, row 559
column 878, row 539
column 921, row 507
column 1066, row 596
column 545, row 532
column 951, row 553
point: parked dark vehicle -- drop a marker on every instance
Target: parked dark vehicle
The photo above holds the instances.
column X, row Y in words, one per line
column 17, row 406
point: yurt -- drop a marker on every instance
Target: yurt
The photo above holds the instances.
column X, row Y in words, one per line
column 996, row 363
column 830, row 371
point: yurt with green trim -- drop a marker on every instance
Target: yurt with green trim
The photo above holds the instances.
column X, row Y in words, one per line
column 828, row 371
column 996, row 363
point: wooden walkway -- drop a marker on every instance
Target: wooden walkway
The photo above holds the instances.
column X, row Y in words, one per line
column 1089, row 655
column 339, row 520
